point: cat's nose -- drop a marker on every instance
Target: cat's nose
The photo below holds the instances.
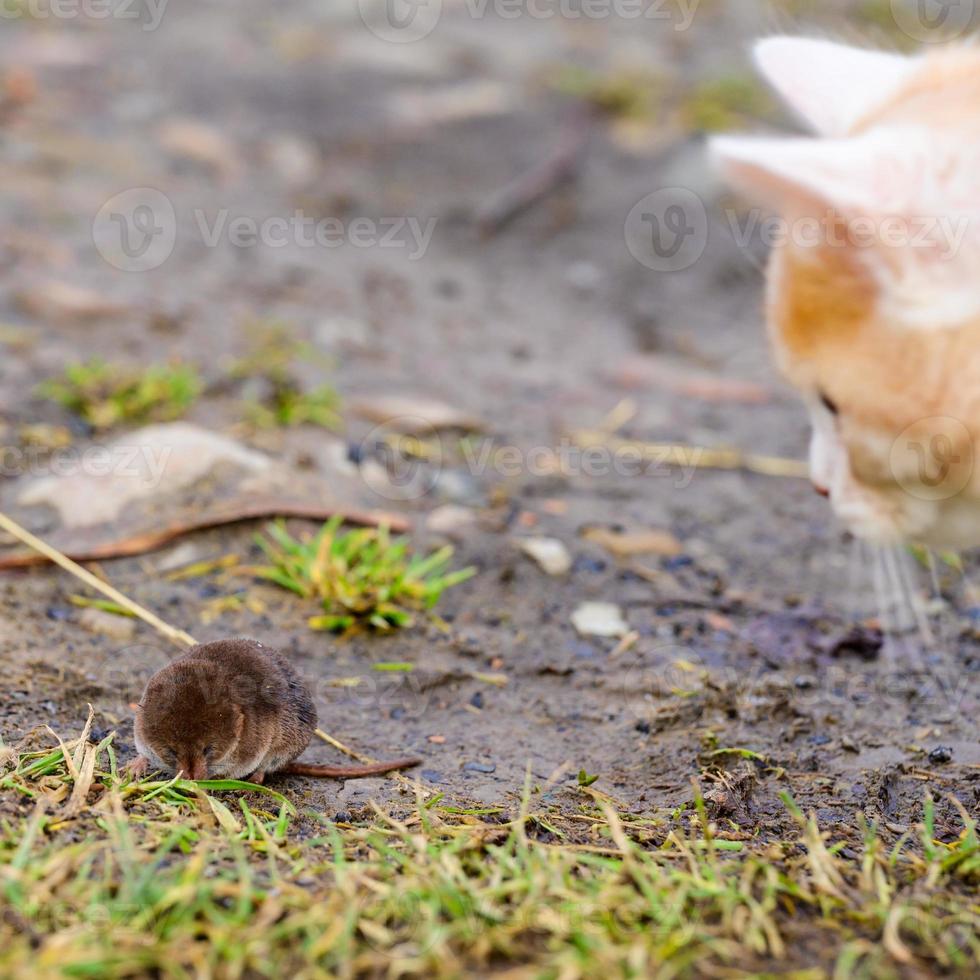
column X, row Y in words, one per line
column 823, row 491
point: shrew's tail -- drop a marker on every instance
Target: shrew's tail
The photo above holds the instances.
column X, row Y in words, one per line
column 348, row 772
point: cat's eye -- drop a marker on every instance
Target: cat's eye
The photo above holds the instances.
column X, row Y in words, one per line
column 829, row 404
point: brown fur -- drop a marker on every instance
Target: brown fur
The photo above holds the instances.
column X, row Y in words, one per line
column 234, row 709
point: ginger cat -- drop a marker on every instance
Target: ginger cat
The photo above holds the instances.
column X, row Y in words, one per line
column 874, row 290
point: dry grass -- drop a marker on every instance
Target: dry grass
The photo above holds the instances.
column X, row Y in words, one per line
column 102, row 878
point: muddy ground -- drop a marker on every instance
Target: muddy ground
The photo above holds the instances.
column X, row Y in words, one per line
column 538, row 330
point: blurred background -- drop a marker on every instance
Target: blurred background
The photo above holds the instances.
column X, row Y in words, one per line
column 307, row 226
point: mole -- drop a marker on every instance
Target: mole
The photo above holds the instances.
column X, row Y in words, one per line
column 232, row 709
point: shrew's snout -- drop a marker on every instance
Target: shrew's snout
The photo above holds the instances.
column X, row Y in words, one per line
column 194, row 767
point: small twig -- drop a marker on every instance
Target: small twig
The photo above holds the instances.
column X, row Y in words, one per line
column 52, row 554
column 232, row 513
column 178, row 636
column 368, row 761
column 330, row 740
column 697, row 457
column 559, row 168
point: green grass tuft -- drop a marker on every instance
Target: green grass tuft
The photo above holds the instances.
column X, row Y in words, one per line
column 286, row 406
column 361, row 577
column 727, row 103
column 283, row 402
column 108, row 395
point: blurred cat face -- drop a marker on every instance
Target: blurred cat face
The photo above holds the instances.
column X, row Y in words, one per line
column 878, row 326
column 890, row 408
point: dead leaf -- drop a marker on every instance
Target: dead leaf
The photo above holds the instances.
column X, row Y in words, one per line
column 157, row 461
column 63, row 302
column 719, row 622
column 625, row 544
column 19, row 87
column 414, row 415
column 647, row 371
column 203, row 144
column 450, row 103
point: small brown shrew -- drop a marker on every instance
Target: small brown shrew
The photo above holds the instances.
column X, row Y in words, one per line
column 233, row 709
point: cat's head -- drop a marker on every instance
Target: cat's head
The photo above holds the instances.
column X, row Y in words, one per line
column 874, row 285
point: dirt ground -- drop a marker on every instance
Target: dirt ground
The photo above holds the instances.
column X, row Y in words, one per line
column 538, row 330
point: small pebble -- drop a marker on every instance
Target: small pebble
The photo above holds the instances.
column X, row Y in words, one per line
column 467, row 645
column 599, row 619
column 479, row 767
column 550, row 554
column 586, row 564
column 477, row 700
column 451, row 520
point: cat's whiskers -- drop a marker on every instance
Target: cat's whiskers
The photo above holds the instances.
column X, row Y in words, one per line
column 902, row 611
column 880, row 581
column 862, row 607
column 920, row 609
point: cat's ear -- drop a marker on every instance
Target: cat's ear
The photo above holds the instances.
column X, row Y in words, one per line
column 855, row 176
column 832, row 86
